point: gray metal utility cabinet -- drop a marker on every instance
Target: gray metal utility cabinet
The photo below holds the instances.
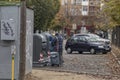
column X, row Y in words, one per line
column 10, row 38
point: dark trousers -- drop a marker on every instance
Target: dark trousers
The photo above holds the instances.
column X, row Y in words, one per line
column 61, row 57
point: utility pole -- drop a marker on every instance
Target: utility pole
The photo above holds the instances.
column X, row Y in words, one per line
column 22, row 41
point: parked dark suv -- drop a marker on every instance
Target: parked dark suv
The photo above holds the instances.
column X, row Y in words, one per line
column 85, row 44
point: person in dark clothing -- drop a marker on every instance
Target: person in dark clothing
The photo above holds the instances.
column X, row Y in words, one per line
column 54, row 44
column 59, row 46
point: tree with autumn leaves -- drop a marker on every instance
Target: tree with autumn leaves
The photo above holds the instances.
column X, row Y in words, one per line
column 58, row 22
column 109, row 15
column 112, row 11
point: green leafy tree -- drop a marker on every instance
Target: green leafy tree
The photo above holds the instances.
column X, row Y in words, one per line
column 102, row 21
column 9, row 2
column 45, row 11
column 109, row 15
column 112, row 9
column 29, row 3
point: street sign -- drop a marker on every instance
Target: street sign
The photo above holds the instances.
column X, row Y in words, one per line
column 9, row 2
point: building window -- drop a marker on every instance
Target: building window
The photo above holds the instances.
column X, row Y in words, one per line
column 78, row 1
column 85, row 8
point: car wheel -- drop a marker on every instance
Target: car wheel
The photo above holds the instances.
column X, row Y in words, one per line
column 80, row 52
column 92, row 51
column 69, row 51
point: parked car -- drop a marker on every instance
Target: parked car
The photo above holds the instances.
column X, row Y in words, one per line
column 83, row 43
column 98, row 38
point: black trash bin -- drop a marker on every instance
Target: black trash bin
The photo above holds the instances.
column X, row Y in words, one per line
column 54, row 59
column 40, row 54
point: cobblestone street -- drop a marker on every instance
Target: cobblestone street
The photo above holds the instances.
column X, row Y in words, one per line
column 87, row 63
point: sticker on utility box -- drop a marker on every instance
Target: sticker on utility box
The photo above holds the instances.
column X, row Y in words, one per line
column 7, row 30
column 13, row 49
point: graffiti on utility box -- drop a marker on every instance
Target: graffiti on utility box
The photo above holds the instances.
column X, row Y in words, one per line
column 7, row 30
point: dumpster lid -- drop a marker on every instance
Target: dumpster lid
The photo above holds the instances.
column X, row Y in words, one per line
column 41, row 36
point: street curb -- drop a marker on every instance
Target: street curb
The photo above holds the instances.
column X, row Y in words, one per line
column 115, row 57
